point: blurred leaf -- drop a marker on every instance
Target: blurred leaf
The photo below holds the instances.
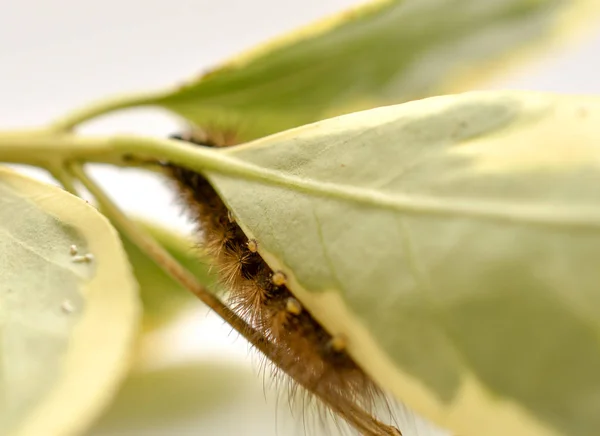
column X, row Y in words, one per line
column 166, row 397
column 66, row 325
column 381, row 53
column 454, row 241
column 214, row 398
column 162, row 297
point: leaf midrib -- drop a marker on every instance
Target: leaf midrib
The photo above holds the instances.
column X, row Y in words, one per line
column 561, row 217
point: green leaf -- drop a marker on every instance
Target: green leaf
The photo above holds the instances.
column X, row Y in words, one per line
column 216, row 397
column 455, row 242
column 163, row 298
column 66, row 325
column 175, row 395
column 380, row 53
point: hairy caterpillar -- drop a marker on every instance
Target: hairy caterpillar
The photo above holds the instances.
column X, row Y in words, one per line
column 315, row 361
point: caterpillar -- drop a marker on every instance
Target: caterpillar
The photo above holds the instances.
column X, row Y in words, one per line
column 314, row 362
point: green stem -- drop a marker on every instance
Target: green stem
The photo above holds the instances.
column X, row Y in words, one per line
column 45, row 151
column 51, row 150
column 65, row 178
column 168, row 263
column 69, row 121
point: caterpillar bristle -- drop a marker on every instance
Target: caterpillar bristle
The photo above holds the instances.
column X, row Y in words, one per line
column 312, row 363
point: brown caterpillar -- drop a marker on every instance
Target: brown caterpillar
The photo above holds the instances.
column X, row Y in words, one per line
column 314, row 360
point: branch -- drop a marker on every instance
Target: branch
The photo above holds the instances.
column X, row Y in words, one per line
column 102, row 107
column 167, row 263
column 65, row 178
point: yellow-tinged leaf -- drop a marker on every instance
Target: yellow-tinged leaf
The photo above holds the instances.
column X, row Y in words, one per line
column 380, row 53
column 217, row 397
column 454, row 241
column 68, row 310
column 167, row 398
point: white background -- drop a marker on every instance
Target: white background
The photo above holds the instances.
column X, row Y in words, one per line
column 56, row 55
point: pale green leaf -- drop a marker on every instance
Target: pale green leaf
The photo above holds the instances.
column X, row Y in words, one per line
column 384, row 52
column 455, row 241
column 217, row 397
column 164, row 398
column 66, row 325
column 163, row 298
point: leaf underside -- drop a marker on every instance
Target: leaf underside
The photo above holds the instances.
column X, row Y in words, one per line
column 66, row 325
column 380, row 53
column 462, row 233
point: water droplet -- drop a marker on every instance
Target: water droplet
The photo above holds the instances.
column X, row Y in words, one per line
column 87, row 258
column 67, row 307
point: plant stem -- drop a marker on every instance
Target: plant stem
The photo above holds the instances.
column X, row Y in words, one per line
column 164, row 260
column 52, row 149
column 69, row 121
column 65, row 178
